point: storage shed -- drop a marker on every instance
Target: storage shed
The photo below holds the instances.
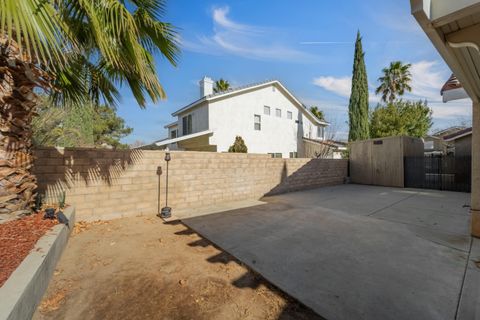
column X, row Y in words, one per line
column 381, row 161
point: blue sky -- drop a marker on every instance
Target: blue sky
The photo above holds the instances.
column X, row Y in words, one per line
column 308, row 45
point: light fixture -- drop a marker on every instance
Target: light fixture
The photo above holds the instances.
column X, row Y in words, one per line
column 166, row 211
column 159, row 174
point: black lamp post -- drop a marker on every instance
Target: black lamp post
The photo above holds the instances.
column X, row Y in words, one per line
column 159, row 174
column 166, row 211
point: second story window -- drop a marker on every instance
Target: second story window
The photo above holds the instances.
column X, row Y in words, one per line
column 266, row 110
column 320, row 132
column 278, row 113
column 173, row 134
column 187, row 125
column 257, row 122
column 289, row 115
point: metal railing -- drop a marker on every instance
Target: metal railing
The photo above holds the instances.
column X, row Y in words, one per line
column 445, row 172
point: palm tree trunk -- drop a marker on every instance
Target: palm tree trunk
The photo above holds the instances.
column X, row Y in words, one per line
column 18, row 79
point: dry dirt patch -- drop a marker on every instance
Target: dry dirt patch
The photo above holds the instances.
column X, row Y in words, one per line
column 142, row 268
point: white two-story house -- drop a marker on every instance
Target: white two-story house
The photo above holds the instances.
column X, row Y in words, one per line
column 268, row 117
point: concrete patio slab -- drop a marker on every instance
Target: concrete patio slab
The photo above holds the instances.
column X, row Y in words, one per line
column 221, row 207
column 344, row 252
column 469, row 307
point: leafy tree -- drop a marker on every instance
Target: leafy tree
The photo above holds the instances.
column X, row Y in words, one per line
column 78, row 51
column 317, row 113
column 49, row 129
column 401, row 118
column 395, row 81
column 238, row 146
column 78, row 118
column 221, row 85
column 358, row 105
column 108, row 128
column 79, row 126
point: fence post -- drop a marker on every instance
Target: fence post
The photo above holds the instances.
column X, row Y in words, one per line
column 475, row 202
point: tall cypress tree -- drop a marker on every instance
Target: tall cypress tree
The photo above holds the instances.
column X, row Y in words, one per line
column 358, row 105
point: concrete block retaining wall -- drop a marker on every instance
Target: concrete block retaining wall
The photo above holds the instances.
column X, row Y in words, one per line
column 24, row 289
column 104, row 184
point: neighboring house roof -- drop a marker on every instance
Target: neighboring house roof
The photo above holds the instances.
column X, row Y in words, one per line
column 451, row 84
column 175, row 123
column 432, row 137
column 453, row 90
column 448, row 131
column 186, row 137
column 458, row 135
column 250, row 87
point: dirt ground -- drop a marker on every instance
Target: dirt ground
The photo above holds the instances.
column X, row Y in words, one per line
column 143, row 268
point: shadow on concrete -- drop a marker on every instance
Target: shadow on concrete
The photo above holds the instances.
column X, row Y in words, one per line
column 292, row 310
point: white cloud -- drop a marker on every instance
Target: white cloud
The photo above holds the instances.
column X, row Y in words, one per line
column 220, row 18
column 428, row 78
column 248, row 41
column 341, row 86
column 461, row 109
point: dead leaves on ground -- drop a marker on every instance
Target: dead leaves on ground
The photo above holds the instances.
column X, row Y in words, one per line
column 53, row 302
column 82, row 226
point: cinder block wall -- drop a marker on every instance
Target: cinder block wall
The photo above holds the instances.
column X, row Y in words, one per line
column 104, row 184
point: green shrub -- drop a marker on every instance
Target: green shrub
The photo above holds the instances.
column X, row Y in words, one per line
column 238, row 146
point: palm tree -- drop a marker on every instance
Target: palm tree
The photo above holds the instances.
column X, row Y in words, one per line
column 395, row 81
column 77, row 51
column 221, row 85
column 317, row 113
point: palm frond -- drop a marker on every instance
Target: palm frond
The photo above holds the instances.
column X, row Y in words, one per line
column 37, row 30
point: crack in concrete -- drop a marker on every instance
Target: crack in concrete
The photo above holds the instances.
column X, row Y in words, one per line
column 463, row 279
column 390, row 205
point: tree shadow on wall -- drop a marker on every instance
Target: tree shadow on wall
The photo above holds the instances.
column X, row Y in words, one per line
column 61, row 169
column 313, row 174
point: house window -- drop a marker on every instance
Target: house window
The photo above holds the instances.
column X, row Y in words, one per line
column 289, row 115
column 429, row 145
column 266, row 110
column 293, row 155
column 278, row 112
column 257, row 124
column 275, row 155
column 173, row 134
column 187, row 124
column 320, row 132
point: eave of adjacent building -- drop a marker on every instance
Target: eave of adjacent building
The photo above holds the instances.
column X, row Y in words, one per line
column 454, row 29
column 183, row 138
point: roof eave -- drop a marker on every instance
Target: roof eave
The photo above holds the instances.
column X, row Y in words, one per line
column 183, row 138
column 454, row 94
column 431, row 15
column 173, row 124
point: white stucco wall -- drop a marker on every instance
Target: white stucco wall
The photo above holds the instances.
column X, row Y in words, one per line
column 234, row 116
